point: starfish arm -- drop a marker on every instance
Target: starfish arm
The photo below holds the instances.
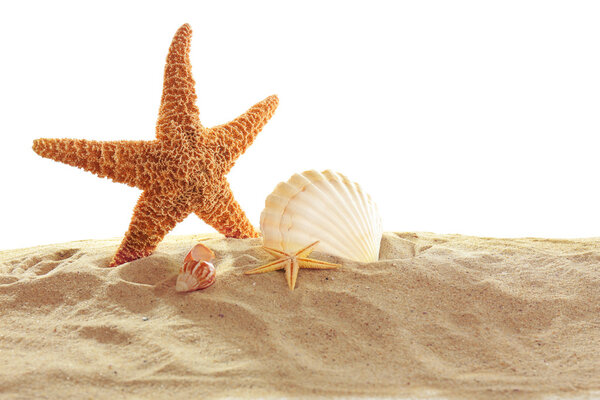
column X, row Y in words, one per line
column 275, row 252
column 316, row 264
column 178, row 115
column 226, row 215
column 153, row 217
column 272, row 266
column 231, row 140
column 291, row 272
column 304, row 252
column 122, row 161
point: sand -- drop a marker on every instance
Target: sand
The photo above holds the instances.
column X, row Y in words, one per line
column 447, row 316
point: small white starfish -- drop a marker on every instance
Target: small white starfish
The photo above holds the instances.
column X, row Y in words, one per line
column 292, row 262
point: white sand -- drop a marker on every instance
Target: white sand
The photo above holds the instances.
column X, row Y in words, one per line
column 445, row 315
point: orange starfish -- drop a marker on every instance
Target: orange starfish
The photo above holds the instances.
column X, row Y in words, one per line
column 182, row 171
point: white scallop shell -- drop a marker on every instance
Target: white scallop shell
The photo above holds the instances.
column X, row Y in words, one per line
column 324, row 206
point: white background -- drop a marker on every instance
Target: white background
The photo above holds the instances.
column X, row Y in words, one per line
column 470, row 117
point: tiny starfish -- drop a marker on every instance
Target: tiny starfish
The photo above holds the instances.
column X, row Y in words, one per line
column 182, row 172
column 292, row 262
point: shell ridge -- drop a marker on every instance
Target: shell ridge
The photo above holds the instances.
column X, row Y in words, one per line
column 356, row 210
column 348, row 206
column 337, row 210
column 299, row 202
column 326, row 239
column 324, row 206
column 369, row 210
column 275, row 206
column 366, row 204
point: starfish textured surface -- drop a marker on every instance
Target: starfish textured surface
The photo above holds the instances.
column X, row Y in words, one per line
column 182, row 171
column 292, row 262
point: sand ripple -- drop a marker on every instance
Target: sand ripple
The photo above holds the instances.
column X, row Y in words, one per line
column 444, row 315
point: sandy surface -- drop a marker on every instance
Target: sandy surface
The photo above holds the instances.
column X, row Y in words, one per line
column 439, row 315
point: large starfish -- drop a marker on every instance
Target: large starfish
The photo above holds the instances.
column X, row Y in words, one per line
column 182, row 171
column 292, row 262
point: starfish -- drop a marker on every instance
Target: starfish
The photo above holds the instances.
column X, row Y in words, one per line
column 182, row 171
column 292, row 262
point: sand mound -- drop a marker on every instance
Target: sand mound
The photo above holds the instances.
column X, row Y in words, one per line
column 443, row 315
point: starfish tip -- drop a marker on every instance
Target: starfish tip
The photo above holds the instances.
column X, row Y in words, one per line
column 272, row 101
column 40, row 146
column 185, row 28
column 36, row 145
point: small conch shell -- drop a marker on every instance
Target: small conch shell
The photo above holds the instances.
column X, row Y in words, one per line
column 196, row 272
column 199, row 253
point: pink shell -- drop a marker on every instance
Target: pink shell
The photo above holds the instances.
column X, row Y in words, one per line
column 195, row 275
column 197, row 272
column 199, row 253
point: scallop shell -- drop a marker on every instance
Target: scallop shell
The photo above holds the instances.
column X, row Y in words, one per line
column 324, row 206
column 196, row 272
